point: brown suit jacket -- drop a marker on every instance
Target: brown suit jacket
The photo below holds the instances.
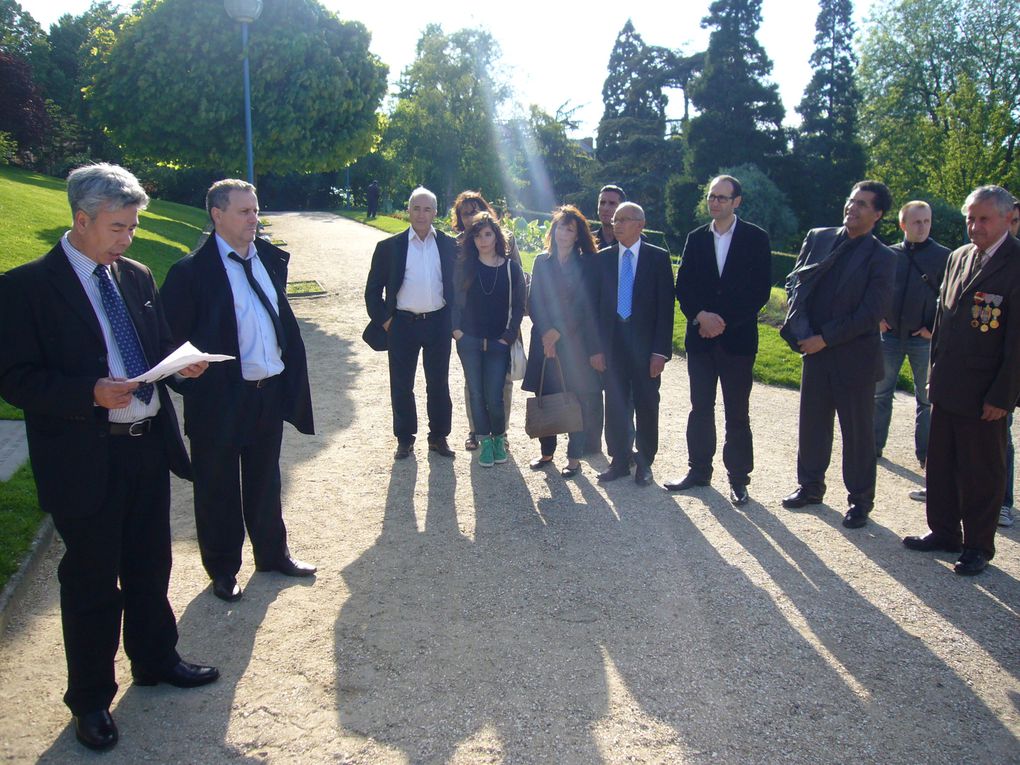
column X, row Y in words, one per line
column 972, row 361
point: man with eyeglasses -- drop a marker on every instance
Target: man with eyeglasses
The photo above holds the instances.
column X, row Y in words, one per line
column 724, row 280
column 843, row 354
column 636, row 339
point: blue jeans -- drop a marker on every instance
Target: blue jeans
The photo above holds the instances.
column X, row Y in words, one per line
column 1008, row 499
column 485, row 365
column 916, row 350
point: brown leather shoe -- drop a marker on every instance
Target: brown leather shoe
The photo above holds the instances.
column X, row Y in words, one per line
column 403, row 450
column 440, row 447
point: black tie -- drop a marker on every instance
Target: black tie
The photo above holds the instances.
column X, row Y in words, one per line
column 277, row 324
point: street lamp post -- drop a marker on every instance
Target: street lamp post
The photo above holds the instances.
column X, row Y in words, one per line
column 246, row 11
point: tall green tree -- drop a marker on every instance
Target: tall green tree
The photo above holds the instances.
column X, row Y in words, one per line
column 443, row 130
column 827, row 152
column 740, row 114
column 171, row 88
column 20, row 33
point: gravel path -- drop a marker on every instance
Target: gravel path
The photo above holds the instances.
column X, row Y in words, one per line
column 484, row 616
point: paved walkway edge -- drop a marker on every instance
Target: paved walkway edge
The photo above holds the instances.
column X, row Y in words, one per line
column 17, row 585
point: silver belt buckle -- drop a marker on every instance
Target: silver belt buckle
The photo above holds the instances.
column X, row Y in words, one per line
column 139, row 428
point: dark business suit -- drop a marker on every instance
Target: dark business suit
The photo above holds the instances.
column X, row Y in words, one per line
column 845, row 308
column 109, row 495
column 632, row 395
column 972, row 363
column 408, row 335
column 728, row 359
column 228, row 420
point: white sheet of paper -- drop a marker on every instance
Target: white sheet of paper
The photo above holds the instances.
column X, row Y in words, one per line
column 184, row 356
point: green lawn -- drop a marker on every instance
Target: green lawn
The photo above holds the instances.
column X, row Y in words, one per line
column 19, row 520
column 386, row 223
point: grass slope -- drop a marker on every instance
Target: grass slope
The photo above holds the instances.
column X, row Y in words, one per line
column 19, row 520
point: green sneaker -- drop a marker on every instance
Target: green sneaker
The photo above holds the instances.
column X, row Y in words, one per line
column 485, row 458
column 499, row 449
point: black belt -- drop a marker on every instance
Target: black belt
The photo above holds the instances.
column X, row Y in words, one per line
column 260, row 383
column 621, row 320
column 138, row 428
column 418, row 316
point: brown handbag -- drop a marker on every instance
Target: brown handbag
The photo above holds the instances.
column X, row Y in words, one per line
column 554, row 413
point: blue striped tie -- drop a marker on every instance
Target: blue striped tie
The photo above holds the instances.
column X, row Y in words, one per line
column 123, row 332
column 625, row 296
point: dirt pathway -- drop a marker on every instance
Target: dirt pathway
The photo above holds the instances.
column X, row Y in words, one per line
column 483, row 616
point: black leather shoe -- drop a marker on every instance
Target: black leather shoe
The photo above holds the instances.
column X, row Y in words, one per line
column 931, row 543
column 403, row 450
column 738, row 494
column 856, row 517
column 183, row 674
column 538, row 463
column 643, row 476
column 971, row 562
column 570, row 472
column 689, row 481
column 290, row 567
column 226, row 588
column 440, row 447
column 614, row 472
column 96, row 730
column 801, row 498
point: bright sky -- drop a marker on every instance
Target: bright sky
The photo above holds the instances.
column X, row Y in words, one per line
column 557, row 54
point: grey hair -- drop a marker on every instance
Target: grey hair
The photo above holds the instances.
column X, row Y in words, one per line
column 218, row 195
column 1003, row 199
column 421, row 191
column 94, row 187
column 638, row 211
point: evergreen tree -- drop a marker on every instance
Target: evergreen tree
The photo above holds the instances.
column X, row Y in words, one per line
column 828, row 155
column 740, row 115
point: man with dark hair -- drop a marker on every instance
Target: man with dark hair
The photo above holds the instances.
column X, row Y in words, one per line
column 74, row 325
column 230, row 297
column 610, row 197
column 724, row 280
column 906, row 331
column 974, row 384
column 843, row 354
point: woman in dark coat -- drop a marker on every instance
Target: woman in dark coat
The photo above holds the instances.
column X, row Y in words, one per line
column 562, row 310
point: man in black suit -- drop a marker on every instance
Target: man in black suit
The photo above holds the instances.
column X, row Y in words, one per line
column 635, row 340
column 724, row 280
column 610, row 197
column 74, row 325
column 974, row 384
column 409, row 294
column 843, row 353
column 230, row 297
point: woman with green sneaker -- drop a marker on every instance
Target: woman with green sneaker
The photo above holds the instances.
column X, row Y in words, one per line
column 488, row 307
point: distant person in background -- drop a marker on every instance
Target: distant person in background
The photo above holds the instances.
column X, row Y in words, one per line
column 610, row 197
column 372, row 197
column 465, row 207
column 906, row 331
column 564, row 326
column 1007, row 513
column 489, row 297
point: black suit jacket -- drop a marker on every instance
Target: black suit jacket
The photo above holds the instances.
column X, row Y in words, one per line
column 738, row 295
column 863, row 297
column 52, row 352
column 389, row 261
column 652, row 308
column 200, row 308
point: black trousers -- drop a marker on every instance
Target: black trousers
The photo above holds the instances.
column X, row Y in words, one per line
column 966, row 478
column 431, row 337
column 823, row 395
column 632, row 401
column 237, row 485
column 127, row 541
column 707, row 371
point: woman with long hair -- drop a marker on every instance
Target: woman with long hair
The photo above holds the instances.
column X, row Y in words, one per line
column 563, row 317
column 487, row 310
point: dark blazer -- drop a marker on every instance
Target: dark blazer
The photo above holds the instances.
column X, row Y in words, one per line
column 915, row 297
column 738, row 295
column 652, row 309
column 52, row 352
column 971, row 367
column 386, row 275
column 863, row 298
column 200, row 308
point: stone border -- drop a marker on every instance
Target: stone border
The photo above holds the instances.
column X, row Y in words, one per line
column 17, row 585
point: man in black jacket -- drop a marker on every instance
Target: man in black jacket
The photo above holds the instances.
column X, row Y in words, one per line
column 906, row 331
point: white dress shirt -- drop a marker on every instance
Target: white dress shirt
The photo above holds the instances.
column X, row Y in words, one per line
column 722, row 244
column 256, row 336
column 422, row 288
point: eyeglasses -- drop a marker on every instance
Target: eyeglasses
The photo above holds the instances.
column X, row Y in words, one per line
column 618, row 221
column 850, row 202
column 720, row 198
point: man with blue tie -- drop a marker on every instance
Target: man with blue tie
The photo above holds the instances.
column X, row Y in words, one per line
column 74, row 326
column 636, row 341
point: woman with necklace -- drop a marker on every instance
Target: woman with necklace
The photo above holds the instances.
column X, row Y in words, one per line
column 561, row 305
column 487, row 311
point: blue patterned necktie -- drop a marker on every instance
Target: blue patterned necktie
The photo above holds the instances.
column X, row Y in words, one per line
column 123, row 332
column 625, row 295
